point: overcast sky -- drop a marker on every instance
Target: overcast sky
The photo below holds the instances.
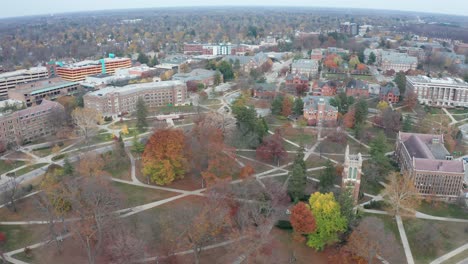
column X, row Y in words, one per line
column 12, row 8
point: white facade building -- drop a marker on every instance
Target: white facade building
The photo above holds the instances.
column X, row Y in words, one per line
column 446, row 92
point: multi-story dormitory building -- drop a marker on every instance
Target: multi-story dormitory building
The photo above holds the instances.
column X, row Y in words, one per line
column 31, row 123
column 78, row 71
column 445, row 92
column 9, row 80
column 112, row 101
column 427, row 161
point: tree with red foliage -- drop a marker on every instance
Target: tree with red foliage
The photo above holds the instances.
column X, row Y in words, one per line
column 411, row 99
column 312, row 122
column 302, row 219
column 349, row 118
column 286, row 109
column 192, row 86
column 361, row 67
column 301, row 89
column 272, row 149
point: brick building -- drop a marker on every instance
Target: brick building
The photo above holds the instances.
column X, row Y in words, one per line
column 264, row 91
column 305, row 67
column 317, row 110
column 427, row 161
column 112, row 101
column 445, row 92
column 31, row 123
column 390, row 93
column 357, row 88
column 293, row 81
column 316, row 54
column 33, row 93
column 206, row 77
column 248, row 63
column 390, row 60
column 78, row 71
column 321, row 88
column 461, row 48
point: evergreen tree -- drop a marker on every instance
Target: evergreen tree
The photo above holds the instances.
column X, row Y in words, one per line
column 372, row 59
column 400, row 80
column 361, row 111
column 346, row 201
column 142, row 58
column 68, row 167
column 237, row 65
column 407, row 124
column 327, row 178
column 378, row 145
column 297, row 181
column 298, row 107
column 277, row 105
column 226, row 70
column 142, row 113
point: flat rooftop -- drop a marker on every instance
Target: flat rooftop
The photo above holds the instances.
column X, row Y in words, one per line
column 43, row 86
column 446, row 81
column 32, row 70
column 136, row 87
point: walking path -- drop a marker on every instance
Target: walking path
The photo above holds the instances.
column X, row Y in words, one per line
column 451, row 254
column 454, row 121
column 404, row 240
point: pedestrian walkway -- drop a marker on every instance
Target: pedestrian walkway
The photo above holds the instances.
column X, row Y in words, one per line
column 404, row 240
column 451, row 254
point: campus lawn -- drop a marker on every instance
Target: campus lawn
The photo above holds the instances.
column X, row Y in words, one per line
column 19, row 236
column 30, row 168
column 443, row 209
column 6, row 166
column 136, row 195
column 446, row 237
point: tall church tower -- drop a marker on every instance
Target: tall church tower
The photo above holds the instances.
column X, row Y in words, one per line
column 351, row 177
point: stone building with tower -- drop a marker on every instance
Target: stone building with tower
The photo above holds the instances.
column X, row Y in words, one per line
column 352, row 170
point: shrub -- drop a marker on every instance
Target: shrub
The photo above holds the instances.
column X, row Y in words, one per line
column 59, row 157
column 375, row 205
column 28, row 188
column 284, row 224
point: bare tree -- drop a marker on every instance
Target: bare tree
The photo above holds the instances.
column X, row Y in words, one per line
column 87, row 121
column 93, row 201
column 123, row 246
column 370, row 239
column 401, row 193
column 10, row 192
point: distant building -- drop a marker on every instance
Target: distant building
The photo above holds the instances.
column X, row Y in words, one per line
column 317, row 110
column 390, row 60
column 364, row 29
column 321, row 88
column 348, row 28
column 455, row 58
column 294, row 81
column 461, row 48
column 206, row 77
column 112, row 101
column 264, row 91
column 78, row 71
column 316, row 54
column 390, row 93
column 305, row 67
column 430, row 165
column 357, row 88
column 35, row 92
column 9, row 80
column 222, row 49
column 248, row 63
column 351, row 175
column 445, row 92
column 32, row 123
column 337, row 51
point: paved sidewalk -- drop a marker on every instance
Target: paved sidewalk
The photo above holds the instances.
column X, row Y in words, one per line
column 451, row 254
column 404, row 240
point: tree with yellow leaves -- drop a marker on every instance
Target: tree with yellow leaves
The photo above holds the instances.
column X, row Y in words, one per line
column 329, row 220
column 382, row 105
column 401, row 193
column 124, row 130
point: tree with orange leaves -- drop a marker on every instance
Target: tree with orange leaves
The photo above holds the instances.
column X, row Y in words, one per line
column 349, row 118
column 246, row 172
column 302, row 220
column 286, row 109
column 164, row 157
column 361, row 67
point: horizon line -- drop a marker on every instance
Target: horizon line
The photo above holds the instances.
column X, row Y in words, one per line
column 224, row 6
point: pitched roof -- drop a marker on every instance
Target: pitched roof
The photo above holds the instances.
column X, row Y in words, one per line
column 390, row 89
